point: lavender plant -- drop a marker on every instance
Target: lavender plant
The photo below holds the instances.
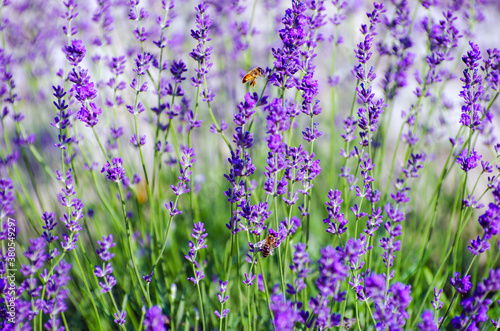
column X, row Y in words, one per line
column 133, row 200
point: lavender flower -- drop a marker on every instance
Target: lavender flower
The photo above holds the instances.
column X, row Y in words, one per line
column 138, row 14
column 222, row 299
column 428, row 323
column 182, row 187
column 107, row 269
column 332, row 272
column 56, row 294
column 200, row 53
column 103, row 16
column 6, row 197
column 285, row 313
column 293, row 36
column 490, row 222
column 461, row 285
column 114, row 172
column 334, row 214
column 299, row 266
column 249, row 278
column 199, row 235
column 391, row 304
column 476, row 306
column 395, row 76
column 436, row 303
column 84, row 91
column 75, row 207
column 468, row 161
column 120, row 317
column 62, row 120
column 75, row 52
column 36, row 256
column 154, row 320
column 241, row 168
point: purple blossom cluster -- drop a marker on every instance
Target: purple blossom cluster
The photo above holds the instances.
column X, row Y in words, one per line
column 333, row 272
column 489, row 222
column 184, row 178
column 84, row 91
column 397, row 236
column 105, row 272
column 429, row 321
column 396, row 73
column 114, row 170
column 475, row 307
column 199, row 236
column 154, row 319
column 74, row 214
column 49, row 297
column 201, row 54
column 300, row 266
column 223, row 297
column 241, row 169
column 6, row 198
column 293, row 35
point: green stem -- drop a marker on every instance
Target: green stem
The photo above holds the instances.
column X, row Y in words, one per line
column 129, row 241
column 100, row 146
column 88, row 290
column 201, row 300
column 164, row 241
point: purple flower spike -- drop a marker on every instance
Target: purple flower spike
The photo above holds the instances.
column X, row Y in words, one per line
column 107, row 269
column 475, row 307
column 249, row 279
column 201, row 53
column 375, row 287
column 199, row 236
column 6, row 197
column 437, row 303
column 115, row 172
column 478, row 246
column 332, row 271
column 286, row 314
column 120, row 317
column 468, row 161
column 138, row 142
column 428, row 323
column 142, row 63
column 223, row 315
column 300, row 266
column 88, row 115
column 106, row 244
column 293, row 36
column 148, row 278
column 75, row 52
column 36, row 256
column 462, row 285
column 222, row 299
column 223, row 289
column 154, row 320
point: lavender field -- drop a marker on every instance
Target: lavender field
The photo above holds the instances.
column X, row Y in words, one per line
column 250, row 165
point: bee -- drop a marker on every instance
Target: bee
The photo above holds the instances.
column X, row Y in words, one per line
column 348, row 323
column 267, row 245
column 252, row 75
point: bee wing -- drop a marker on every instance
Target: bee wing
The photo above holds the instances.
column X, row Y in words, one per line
column 260, row 244
column 271, row 252
column 348, row 322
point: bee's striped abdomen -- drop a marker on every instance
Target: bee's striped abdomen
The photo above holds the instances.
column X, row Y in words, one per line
column 266, row 249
